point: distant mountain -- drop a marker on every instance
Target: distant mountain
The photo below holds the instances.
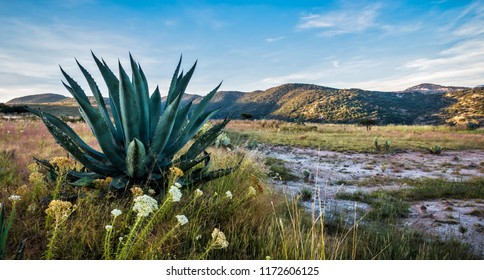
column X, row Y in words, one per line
column 38, row 99
column 187, row 98
column 421, row 104
column 433, row 88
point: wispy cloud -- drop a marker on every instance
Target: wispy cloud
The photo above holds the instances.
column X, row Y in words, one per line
column 274, row 39
column 347, row 20
column 30, row 54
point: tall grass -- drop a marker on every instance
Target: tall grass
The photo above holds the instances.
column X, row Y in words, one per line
column 257, row 221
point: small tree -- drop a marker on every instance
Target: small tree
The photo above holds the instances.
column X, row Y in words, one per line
column 368, row 123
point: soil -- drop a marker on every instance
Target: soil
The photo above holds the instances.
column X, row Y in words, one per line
column 329, row 172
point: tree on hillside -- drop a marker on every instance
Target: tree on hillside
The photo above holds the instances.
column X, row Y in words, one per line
column 368, row 123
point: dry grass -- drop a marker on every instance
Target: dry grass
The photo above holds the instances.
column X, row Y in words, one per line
column 267, row 224
column 341, row 137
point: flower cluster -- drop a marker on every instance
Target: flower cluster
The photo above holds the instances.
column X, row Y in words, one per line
column 101, row 183
column 198, row 193
column 60, row 210
column 175, row 171
column 63, row 164
column 14, row 197
column 36, row 178
column 33, row 168
column 137, row 191
column 116, row 212
column 218, row 239
column 228, row 194
column 182, row 219
column 175, row 193
column 144, row 205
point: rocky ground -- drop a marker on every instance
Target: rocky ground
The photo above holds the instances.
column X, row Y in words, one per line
column 332, row 172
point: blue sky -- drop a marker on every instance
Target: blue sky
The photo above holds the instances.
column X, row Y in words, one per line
column 250, row 45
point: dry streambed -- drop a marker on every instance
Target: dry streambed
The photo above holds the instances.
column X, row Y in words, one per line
column 333, row 172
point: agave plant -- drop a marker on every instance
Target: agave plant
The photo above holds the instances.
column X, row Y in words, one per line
column 139, row 139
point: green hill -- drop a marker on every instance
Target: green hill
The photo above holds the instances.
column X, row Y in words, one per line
column 422, row 104
column 322, row 104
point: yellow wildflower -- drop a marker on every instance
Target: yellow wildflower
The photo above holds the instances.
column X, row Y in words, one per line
column 101, row 183
column 63, row 164
column 33, row 167
column 177, row 172
column 60, row 210
column 137, row 191
column 36, row 178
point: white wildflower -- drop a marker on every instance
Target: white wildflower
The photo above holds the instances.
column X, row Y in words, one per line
column 228, row 194
column 108, row 227
column 175, row 194
column 144, row 205
column 151, row 191
column 182, row 219
column 14, row 197
column 116, row 212
column 218, row 239
column 198, row 193
column 198, row 237
column 252, row 191
column 178, row 185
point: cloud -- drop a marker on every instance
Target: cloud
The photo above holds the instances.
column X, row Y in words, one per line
column 275, row 39
column 30, row 54
column 347, row 20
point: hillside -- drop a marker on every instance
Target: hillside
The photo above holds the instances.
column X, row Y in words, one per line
column 433, row 88
column 38, row 99
column 323, row 104
column 468, row 106
column 422, row 104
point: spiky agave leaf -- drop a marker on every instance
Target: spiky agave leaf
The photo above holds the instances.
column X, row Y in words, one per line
column 138, row 138
column 135, row 159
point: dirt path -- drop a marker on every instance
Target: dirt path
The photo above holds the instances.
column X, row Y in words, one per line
column 333, row 172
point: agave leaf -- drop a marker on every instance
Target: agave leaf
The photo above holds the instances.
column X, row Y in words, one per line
column 155, row 110
column 135, row 159
column 203, row 103
column 204, row 141
column 98, row 127
column 82, row 182
column 75, row 175
column 62, row 126
column 187, row 135
column 197, row 116
column 130, row 113
column 101, row 105
column 173, row 84
column 119, row 183
column 112, row 83
column 188, row 164
column 141, row 88
column 180, row 123
column 182, row 85
column 198, row 176
column 163, row 130
column 72, row 147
